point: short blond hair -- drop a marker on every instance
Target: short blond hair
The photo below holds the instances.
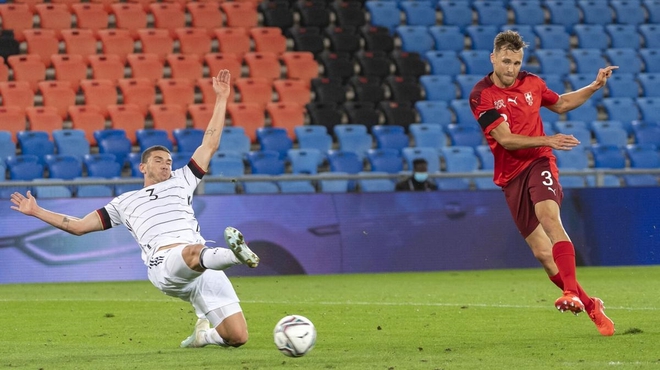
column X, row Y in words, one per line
column 508, row 40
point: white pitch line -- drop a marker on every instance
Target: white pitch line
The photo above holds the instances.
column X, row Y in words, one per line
column 328, row 303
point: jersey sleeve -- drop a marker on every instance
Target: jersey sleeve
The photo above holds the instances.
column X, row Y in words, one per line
column 109, row 215
column 548, row 97
column 484, row 111
column 191, row 173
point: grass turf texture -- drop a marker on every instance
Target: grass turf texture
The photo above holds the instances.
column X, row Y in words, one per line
column 498, row 319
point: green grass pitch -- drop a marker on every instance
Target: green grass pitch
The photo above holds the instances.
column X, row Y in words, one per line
column 496, row 319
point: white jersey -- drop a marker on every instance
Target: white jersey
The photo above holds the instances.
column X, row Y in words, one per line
column 160, row 214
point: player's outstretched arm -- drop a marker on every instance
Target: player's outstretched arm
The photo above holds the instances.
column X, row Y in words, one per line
column 574, row 99
column 28, row 205
column 211, row 140
column 510, row 141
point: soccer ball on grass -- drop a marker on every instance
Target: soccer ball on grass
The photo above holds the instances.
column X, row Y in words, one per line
column 294, row 335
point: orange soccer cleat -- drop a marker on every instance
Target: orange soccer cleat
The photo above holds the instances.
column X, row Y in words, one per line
column 604, row 324
column 569, row 302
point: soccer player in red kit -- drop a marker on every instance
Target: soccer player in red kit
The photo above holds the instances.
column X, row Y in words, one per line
column 507, row 104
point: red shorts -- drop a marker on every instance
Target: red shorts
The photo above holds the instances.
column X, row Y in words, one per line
column 535, row 184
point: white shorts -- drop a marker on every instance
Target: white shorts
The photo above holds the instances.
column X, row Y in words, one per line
column 206, row 291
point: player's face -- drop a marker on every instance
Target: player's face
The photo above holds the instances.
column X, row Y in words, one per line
column 506, row 65
column 158, row 167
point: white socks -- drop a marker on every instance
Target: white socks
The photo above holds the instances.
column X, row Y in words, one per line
column 217, row 258
column 211, row 336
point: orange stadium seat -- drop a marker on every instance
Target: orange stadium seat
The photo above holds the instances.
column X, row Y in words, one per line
column 28, row 67
column 219, row 61
column 168, row 117
column 13, row 120
column 250, row 116
column 17, row 94
column 156, row 41
column 68, row 3
column 286, row 116
column 99, row 93
column 193, row 41
column 268, row 39
column 54, row 17
column 43, row 43
column 176, row 91
column 44, row 119
column 182, row 3
column 185, row 66
column 17, row 17
column 115, row 41
column 205, row 86
column 300, row 65
column 127, row 117
column 107, row 4
column 106, row 67
column 129, row 16
column 168, row 16
column 200, row 114
column 205, row 15
column 87, row 118
column 146, row 66
column 232, row 40
column 140, row 92
column 255, row 90
column 30, row 3
column 263, row 65
column 58, row 94
column 292, row 91
column 79, row 41
column 240, row 14
column 90, row 16
column 143, row 3
column 70, row 67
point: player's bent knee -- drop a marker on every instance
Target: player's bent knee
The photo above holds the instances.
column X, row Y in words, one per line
column 190, row 255
column 237, row 339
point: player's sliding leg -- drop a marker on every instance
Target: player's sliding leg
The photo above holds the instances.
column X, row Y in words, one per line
column 222, row 258
column 237, row 244
column 229, row 331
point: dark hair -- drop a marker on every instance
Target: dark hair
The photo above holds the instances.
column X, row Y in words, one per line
column 508, row 40
column 418, row 161
column 147, row 152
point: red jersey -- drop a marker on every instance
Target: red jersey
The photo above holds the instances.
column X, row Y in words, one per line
column 520, row 106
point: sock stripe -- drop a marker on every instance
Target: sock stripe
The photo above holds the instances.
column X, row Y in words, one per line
column 201, row 258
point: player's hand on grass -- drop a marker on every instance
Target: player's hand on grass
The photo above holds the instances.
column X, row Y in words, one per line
column 221, row 84
column 603, row 75
column 24, row 204
column 562, row 142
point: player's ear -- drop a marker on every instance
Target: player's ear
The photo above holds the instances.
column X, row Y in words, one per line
column 143, row 168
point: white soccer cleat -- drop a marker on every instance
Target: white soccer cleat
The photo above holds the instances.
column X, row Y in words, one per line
column 237, row 244
column 196, row 339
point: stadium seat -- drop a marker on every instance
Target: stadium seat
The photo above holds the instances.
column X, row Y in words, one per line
column 622, row 85
column 337, row 65
column 115, row 142
column 346, row 162
column 13, row 120
column 266, row 162
column 116, row 42
column 373, row 63
column 627, row 12
column 268, row 39
column 481, row 36
column 375, row 185
column 276, row 14
column 176, row 91
column 300, row 65
column 193, row 42
column 576, row 128
column 156, row 41
column 286, row 116
column 304, row 161
column 363, row 113
column 87, row 119
column 466, row 83
column 70, row 67
column 223, row 165
column 429, row 154
column 149, row 137
column 90, row 16
column 240, row 14
column 99, row 93
column 343, row 39
column 17, row 17
column 651, row 35
column 185, row 67
column 627, row 60
column 147, row 66
column 325, row 114
column 263, row 65
column 595, row 12
column 578, row 81
column 28, row 67
column 137, row 91
column 377, row 38
column 255, row 90
column 95, row 190
column 438, row 87
column 79, row 41
column 418, row 13
column 332, row 186
column 7, row 148
column 651, row 59
column 641, row 157
column 491, row 13
column 447, row 37
column 24, row 167
column 260, row 187
column 608, row 156
column 653, row 10
column 587, row 61
column 349, row 13
column 130, row 17
column 465, row 135
column 553, row 61
column 41, row 42
column 456, row 13
column 384, row 14
column 201, row 115
column 235, row 140
column 53, row 16
column 607, row 134
column 106, row 67
column 353, row 138
column 292, row 91
column 188, row 139
column 390, row 137
column 167, row 16
column 250, row 116
column 204, row 15
column 35, row 143
column 296, row 186
column 57, row 94
column 476, row 61
column 621, row 109
column 428, row 135
column 50, row 191
column 205, row 86
column 399, row 114
column 587, row 112
column 367, row 89
column 649, row 108
column 328, row 90
column 415, row 39
column 646, row 133
column 591, row 36
column 314, row 137
column 102, row 165
column 462, row 111
column 623, row 36
column 16, row 94
column 306, row 39
column 274, row 139
column 528, row 35
column 218, row 61
column 168, row 117
column 128, row 117
column 44, row 118
column 458, row 159
column 434, row 112
column 404, row 88
column 563, row 12
column 649, row 82
column 233, row 41
column 64, row 166
column 527, row 12
column 444, row 62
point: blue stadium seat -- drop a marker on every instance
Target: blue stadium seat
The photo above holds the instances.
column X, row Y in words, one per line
column 549, row 116
column 642, row 156
column 653, row 10
column 296, row 187
column 428, row 135
column 72, row 142
column 626, row 126
column 553, row 61
column 481, row 36
column 433, row 112
column 7, row 147
column 438, row 87
column 649, row 108
column 606, row 134
column 353, row 138
column 650, row 83
column 384, row 13
column 651, row 59
column 149, row 137
column 415, row 39
column 576, row 128
column 235, row 139
column 527, row 33
column 562, row 126
column 563, row 12
column 647, row 133
column 64, row 166
column 591, row 36
column 465, row 135
column 595, row 12
column 621, row 109
column 527, row 12
column 651, row 35
column 102, row 165
column 485, row 156
column 627, row 60
column 456, row 13
column 588, row 61
column 35, row 143
column 50, row 191
column 375, row 185
column 304, row 161
column 265, row 162
column 578, row 81
column 463, row 112
column 608, row 156
column 188, row 139
column 115, row 142
column 587, row 112
column 491, row 13
column 260, row 187
column 554, row 83
column 476, row 61
column 418, row 13
column 224, row 164
column 549, row 128
column 623, row 36
column 24, row 167
column 95, row 190
column 390, row 137
column 622, row 85
column 274, row 139
column 431, row 156
column 385, row 160
column 180, row 159
column 345, row 162
column 458, row 159
column 466, row 83
column 447, row 37
column 444, row 62
column 332, row 186
column 627, row 12
column 552, row 36
column 314, row 137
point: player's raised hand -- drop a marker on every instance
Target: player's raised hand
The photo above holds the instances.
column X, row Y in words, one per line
column 221, row 84
column 603, row 75
column 562, row 142
column 24, row 204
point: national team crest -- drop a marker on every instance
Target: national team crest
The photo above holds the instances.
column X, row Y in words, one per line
column 499, row 104
column 528, row 98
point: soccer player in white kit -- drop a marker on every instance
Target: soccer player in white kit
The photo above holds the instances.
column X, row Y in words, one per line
column 161, row 218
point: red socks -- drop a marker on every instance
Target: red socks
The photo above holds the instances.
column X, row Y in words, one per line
column 564, row 255
column 561, row 252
